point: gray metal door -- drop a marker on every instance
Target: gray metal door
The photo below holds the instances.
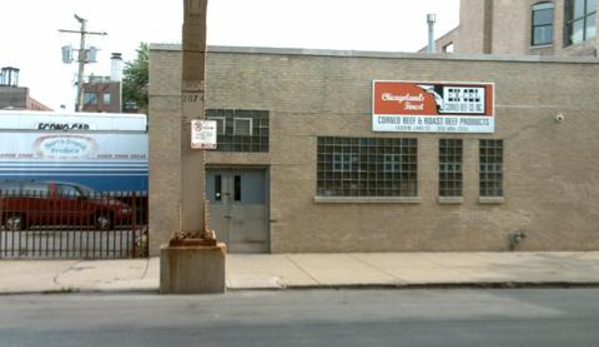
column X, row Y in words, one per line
column 237, row 208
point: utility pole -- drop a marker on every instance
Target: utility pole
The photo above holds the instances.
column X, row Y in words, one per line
column 83, row 57
column 193, row 261
column 193, row 212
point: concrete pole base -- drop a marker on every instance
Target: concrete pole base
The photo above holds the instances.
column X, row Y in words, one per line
column 192, row 269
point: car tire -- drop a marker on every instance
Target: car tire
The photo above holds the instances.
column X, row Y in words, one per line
column 103, row 221
column 14, row 222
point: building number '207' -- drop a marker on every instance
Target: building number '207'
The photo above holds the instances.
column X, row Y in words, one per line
column 190, row 98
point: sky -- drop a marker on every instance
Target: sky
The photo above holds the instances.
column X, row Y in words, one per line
column 30, row 39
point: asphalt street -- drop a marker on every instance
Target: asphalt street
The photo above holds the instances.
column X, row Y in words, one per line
column 513, row 317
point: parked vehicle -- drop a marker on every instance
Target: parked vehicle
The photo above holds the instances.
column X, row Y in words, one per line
column 24, row 204
column 104, row 151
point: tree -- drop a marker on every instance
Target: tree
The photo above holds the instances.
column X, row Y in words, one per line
column 135, row 80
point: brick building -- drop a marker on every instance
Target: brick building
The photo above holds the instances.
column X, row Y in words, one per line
column 524, row 27
column 18, row 98
column 100, row 94
column 14, row 97
column 300, row 167
column 104, row 93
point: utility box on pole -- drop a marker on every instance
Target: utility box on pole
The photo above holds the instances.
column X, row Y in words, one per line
column 85, row 56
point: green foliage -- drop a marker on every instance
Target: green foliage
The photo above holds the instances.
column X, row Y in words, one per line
column 135, row 80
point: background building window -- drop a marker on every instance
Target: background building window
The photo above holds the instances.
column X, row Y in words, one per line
column 106, row 100
column 491, row 168
column 542, row 23
column 241, row 130
column 450, row 167
column 449, row 48
column 580, row 20
column 367, row 167
column 90, row 99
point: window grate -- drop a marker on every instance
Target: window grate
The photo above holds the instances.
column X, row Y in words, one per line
column 450, row 167
column 241, row 130
column 491, row 168
column 363, row 167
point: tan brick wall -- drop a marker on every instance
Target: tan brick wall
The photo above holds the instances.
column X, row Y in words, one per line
column 511, row 22
column 165, row 156
column 551, row 186
column 472, row 35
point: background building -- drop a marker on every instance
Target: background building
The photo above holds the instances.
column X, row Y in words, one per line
column 524, row 27
column 104, row 93
column 14, row 97
column 299, row 168
column 100, row 94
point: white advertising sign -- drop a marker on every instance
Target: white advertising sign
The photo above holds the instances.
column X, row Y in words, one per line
column 433, row 107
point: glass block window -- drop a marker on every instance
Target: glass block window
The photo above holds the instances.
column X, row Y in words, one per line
column 241, row 130
column 542, row 23
column 491, row 168
column 367, row 167
column 450, row 167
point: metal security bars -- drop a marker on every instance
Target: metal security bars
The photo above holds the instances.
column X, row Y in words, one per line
column 491, row 168
column 367, row 167
column 450, row 167
column 59, row 221
column 241, row 130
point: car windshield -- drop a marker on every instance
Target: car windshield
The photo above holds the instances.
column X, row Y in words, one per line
column 85, row 190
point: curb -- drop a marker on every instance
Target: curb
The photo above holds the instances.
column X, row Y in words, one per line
column 365, row 286
column 410, row 286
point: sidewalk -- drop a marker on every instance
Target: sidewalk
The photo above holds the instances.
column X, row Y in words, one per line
column 280, row 271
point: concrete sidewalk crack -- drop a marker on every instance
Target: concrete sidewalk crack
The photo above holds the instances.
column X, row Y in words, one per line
column 146, row 267
column 377, row 269
column 302, row 270
column 70, row 267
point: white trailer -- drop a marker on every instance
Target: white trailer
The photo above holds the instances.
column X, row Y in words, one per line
column 104, row 151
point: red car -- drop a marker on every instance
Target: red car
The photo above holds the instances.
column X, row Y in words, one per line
column 26, row 204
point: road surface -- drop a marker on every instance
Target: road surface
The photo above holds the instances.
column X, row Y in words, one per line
column 509, row 317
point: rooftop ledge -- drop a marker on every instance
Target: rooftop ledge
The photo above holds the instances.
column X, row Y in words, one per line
column 383, row 55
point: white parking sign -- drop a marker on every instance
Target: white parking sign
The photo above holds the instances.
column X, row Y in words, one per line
column 203, row 134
